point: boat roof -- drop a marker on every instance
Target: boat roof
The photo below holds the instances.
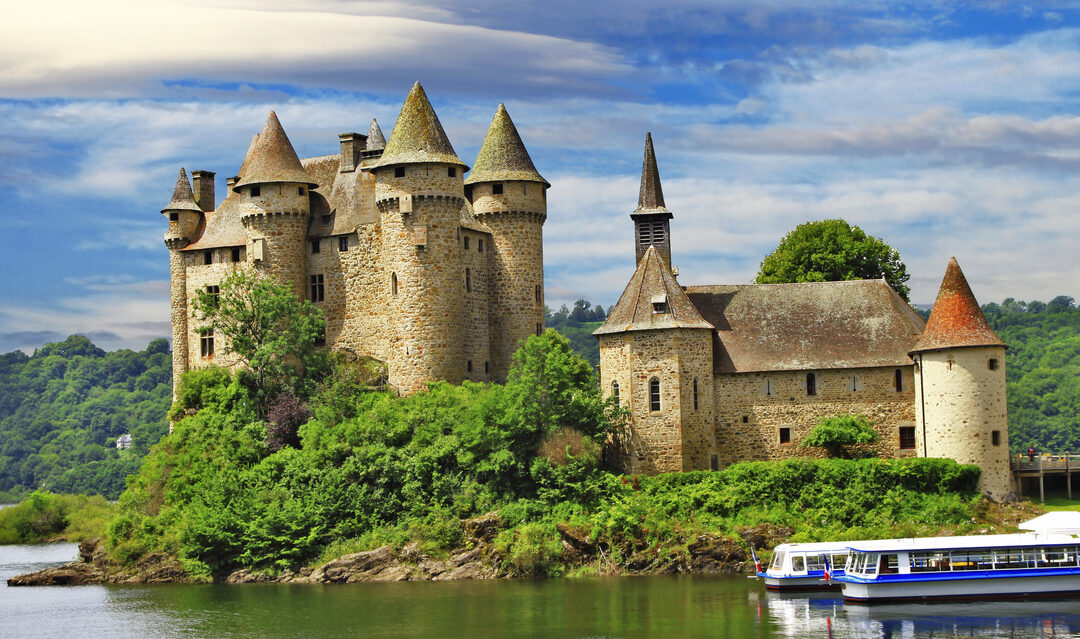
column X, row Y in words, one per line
column 818, row 546
column 1061, row 522
column 961, row 542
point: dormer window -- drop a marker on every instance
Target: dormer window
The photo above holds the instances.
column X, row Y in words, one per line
column 256, row 191
column 451, row 171
column 300, row 191
column 496, row 189
column 659, row 303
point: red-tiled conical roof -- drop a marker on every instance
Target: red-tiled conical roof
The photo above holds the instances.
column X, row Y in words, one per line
column 956, row 321
column 271, row 158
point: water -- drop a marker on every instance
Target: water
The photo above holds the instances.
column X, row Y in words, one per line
column 734, row 607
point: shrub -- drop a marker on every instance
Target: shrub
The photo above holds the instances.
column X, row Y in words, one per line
column 834, row 433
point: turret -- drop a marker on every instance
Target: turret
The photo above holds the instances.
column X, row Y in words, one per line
column 960, row 399
column 510, row 197
column 275, row 209
column 185, row 216
column 420, row 195
column 651, row 219
column 183, row 212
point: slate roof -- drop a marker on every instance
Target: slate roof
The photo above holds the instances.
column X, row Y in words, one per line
column 650, row 195
column 375, row 139
column 183, row 198
column 807, row 326
column 418, row 136
column 271, row 158
column 503, row 155
column 956, row 320
column 634, row 310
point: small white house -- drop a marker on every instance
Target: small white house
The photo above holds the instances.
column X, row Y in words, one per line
column 123, row 441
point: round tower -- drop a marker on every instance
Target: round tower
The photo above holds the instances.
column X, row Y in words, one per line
column 510, row 197
column 420, row 194
column 960, row 400
column 276, row 206
column 185, row 216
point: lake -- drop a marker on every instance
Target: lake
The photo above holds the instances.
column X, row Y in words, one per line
column 732, row 607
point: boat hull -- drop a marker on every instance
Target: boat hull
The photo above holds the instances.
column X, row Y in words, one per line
column 792, row 584
column 988, row 587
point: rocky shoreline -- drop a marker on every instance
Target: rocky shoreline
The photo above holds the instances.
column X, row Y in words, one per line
column 708, row 554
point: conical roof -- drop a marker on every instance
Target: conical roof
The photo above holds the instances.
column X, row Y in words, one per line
column 503, row 156
column 956, row 320
column 271, row 158
column 651, row 195
column 183, row 198
column 652, row 282
column 418, row 137
column 375, row 139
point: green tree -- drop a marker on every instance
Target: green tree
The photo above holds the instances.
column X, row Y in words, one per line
column 270, row 329
column 833, row 250
column 834, row 433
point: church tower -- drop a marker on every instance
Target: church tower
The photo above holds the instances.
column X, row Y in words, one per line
column 276, row 206
column 651, row 219
column 960, row 404
column 510, row 197
column 185, row 217
column 419, row 192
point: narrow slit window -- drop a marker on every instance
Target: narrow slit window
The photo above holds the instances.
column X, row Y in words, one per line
column 695, row 394
column 466, row 241
column 486, row 368
column 539, row 329
column 995, row 437
column 315, row 246
column 393, row 284
column 537, row 293
column 343, row 243
column 317, row 288
column 480, row 245
column 714, row 462
column 236, row 254
column 468, row 280
column 468, row 366
column 654, row 394
column 208, row 257
column 811, row 384
column 898, row 380
column 615, row 391
column 300, row 191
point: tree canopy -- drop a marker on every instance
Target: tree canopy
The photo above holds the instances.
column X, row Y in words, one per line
column 834, row 433
column 833, row 250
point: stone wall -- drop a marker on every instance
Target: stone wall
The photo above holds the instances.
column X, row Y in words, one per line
column 965, row 403
column 178, row 312
column 198, row 276
column 475, row 257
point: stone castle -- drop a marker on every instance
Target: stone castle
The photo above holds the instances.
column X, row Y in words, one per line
column 440, row 276
column 435, row 274
column 721, row 373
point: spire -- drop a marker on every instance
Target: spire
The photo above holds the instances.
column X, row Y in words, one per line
column 503, row 156
column 375, row 139
column 271, row 158
column 651, row 196
column 956, row 320
column 418, row 137
column 183, row 199
column 652, row 300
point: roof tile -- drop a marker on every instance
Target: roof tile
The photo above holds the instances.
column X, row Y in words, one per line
column 503, row 155
column 956, row 320
column 418, row 136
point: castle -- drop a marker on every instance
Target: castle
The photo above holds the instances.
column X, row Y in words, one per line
column 435, row 274
column 721, row 373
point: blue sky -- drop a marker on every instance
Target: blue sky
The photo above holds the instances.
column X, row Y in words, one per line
column 945, row 128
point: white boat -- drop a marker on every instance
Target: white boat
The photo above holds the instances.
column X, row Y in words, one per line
column 802, row 566
column 972, row 567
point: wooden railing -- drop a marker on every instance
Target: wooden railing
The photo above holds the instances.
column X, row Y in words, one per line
column 1043, row 464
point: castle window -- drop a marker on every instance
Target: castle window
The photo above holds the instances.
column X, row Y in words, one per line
column 537, row 293
column 745, row 419
column 644, row 234
column 208, row 257
column 907, row 438
column 768, row 387
column 343, row 243
column 486, row 368
column 215, row 293
column 480, row 245
column 451, row 171
column 948, row 364
column 236, row 253
column 657, row 232
column 992, row 364
column 525, row 189
column 714, row 462
column 496, row 189
column 615, row 391
column 811, row 384
column 317, row 289
column 206, row 345
column 300, row 191
column 468, row 281
column 898, row 380
column 539, row 328
column 466, row 241
column 393, row 284
column 785, row 435
column 314, row 246
column 695, row 394
column 995, row 437
column 174, row 217
column 854, row 384
column 659, row 303
column 399, row 171
column 468, row 366
column 654, row 394
column 256, row 191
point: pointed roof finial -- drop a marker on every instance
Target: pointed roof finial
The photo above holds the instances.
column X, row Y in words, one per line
column 956, row 320
column 503, row 156
column 183, row 198
column 651, row 196
column 375, row 139
column 418, row 136
column 271, row 158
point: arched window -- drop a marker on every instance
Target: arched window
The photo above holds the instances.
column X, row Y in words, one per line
column 898, row 380
column 393, row 284
column 654, row 394
column 811, row 384
column 695, row 394
column 615, row 391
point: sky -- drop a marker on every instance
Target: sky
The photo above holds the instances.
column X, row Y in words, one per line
column 946, row 128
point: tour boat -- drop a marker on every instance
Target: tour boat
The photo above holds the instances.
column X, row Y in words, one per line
column 972, row 567
column 803, row 566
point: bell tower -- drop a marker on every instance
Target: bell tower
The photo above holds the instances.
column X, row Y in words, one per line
column 651, row 219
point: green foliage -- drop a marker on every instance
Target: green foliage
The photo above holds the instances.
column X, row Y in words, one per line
column 45, row 516
column 62, row 409
column 833, row 250
column 270, row 329
column 578, row 326
column 834, row 433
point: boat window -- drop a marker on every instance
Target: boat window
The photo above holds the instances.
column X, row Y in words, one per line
column 838, row 562
column 887, row 565
column 971, row 559
column 815, row 562
column 778, row 560
column 928, row 561
column 1052, row 557
column 871, row 564
column 1011, row 558
column 797, row 564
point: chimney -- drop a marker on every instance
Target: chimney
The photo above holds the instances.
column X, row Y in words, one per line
column 203, row 186
column 231, row 182
column 351, row 146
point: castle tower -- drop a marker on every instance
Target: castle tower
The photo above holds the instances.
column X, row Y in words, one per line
column 510, row 197
column 420, row 194
column 651, row 219
column 960, row 402
column 656, row 356
column 276, row 206
column 185, row 216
